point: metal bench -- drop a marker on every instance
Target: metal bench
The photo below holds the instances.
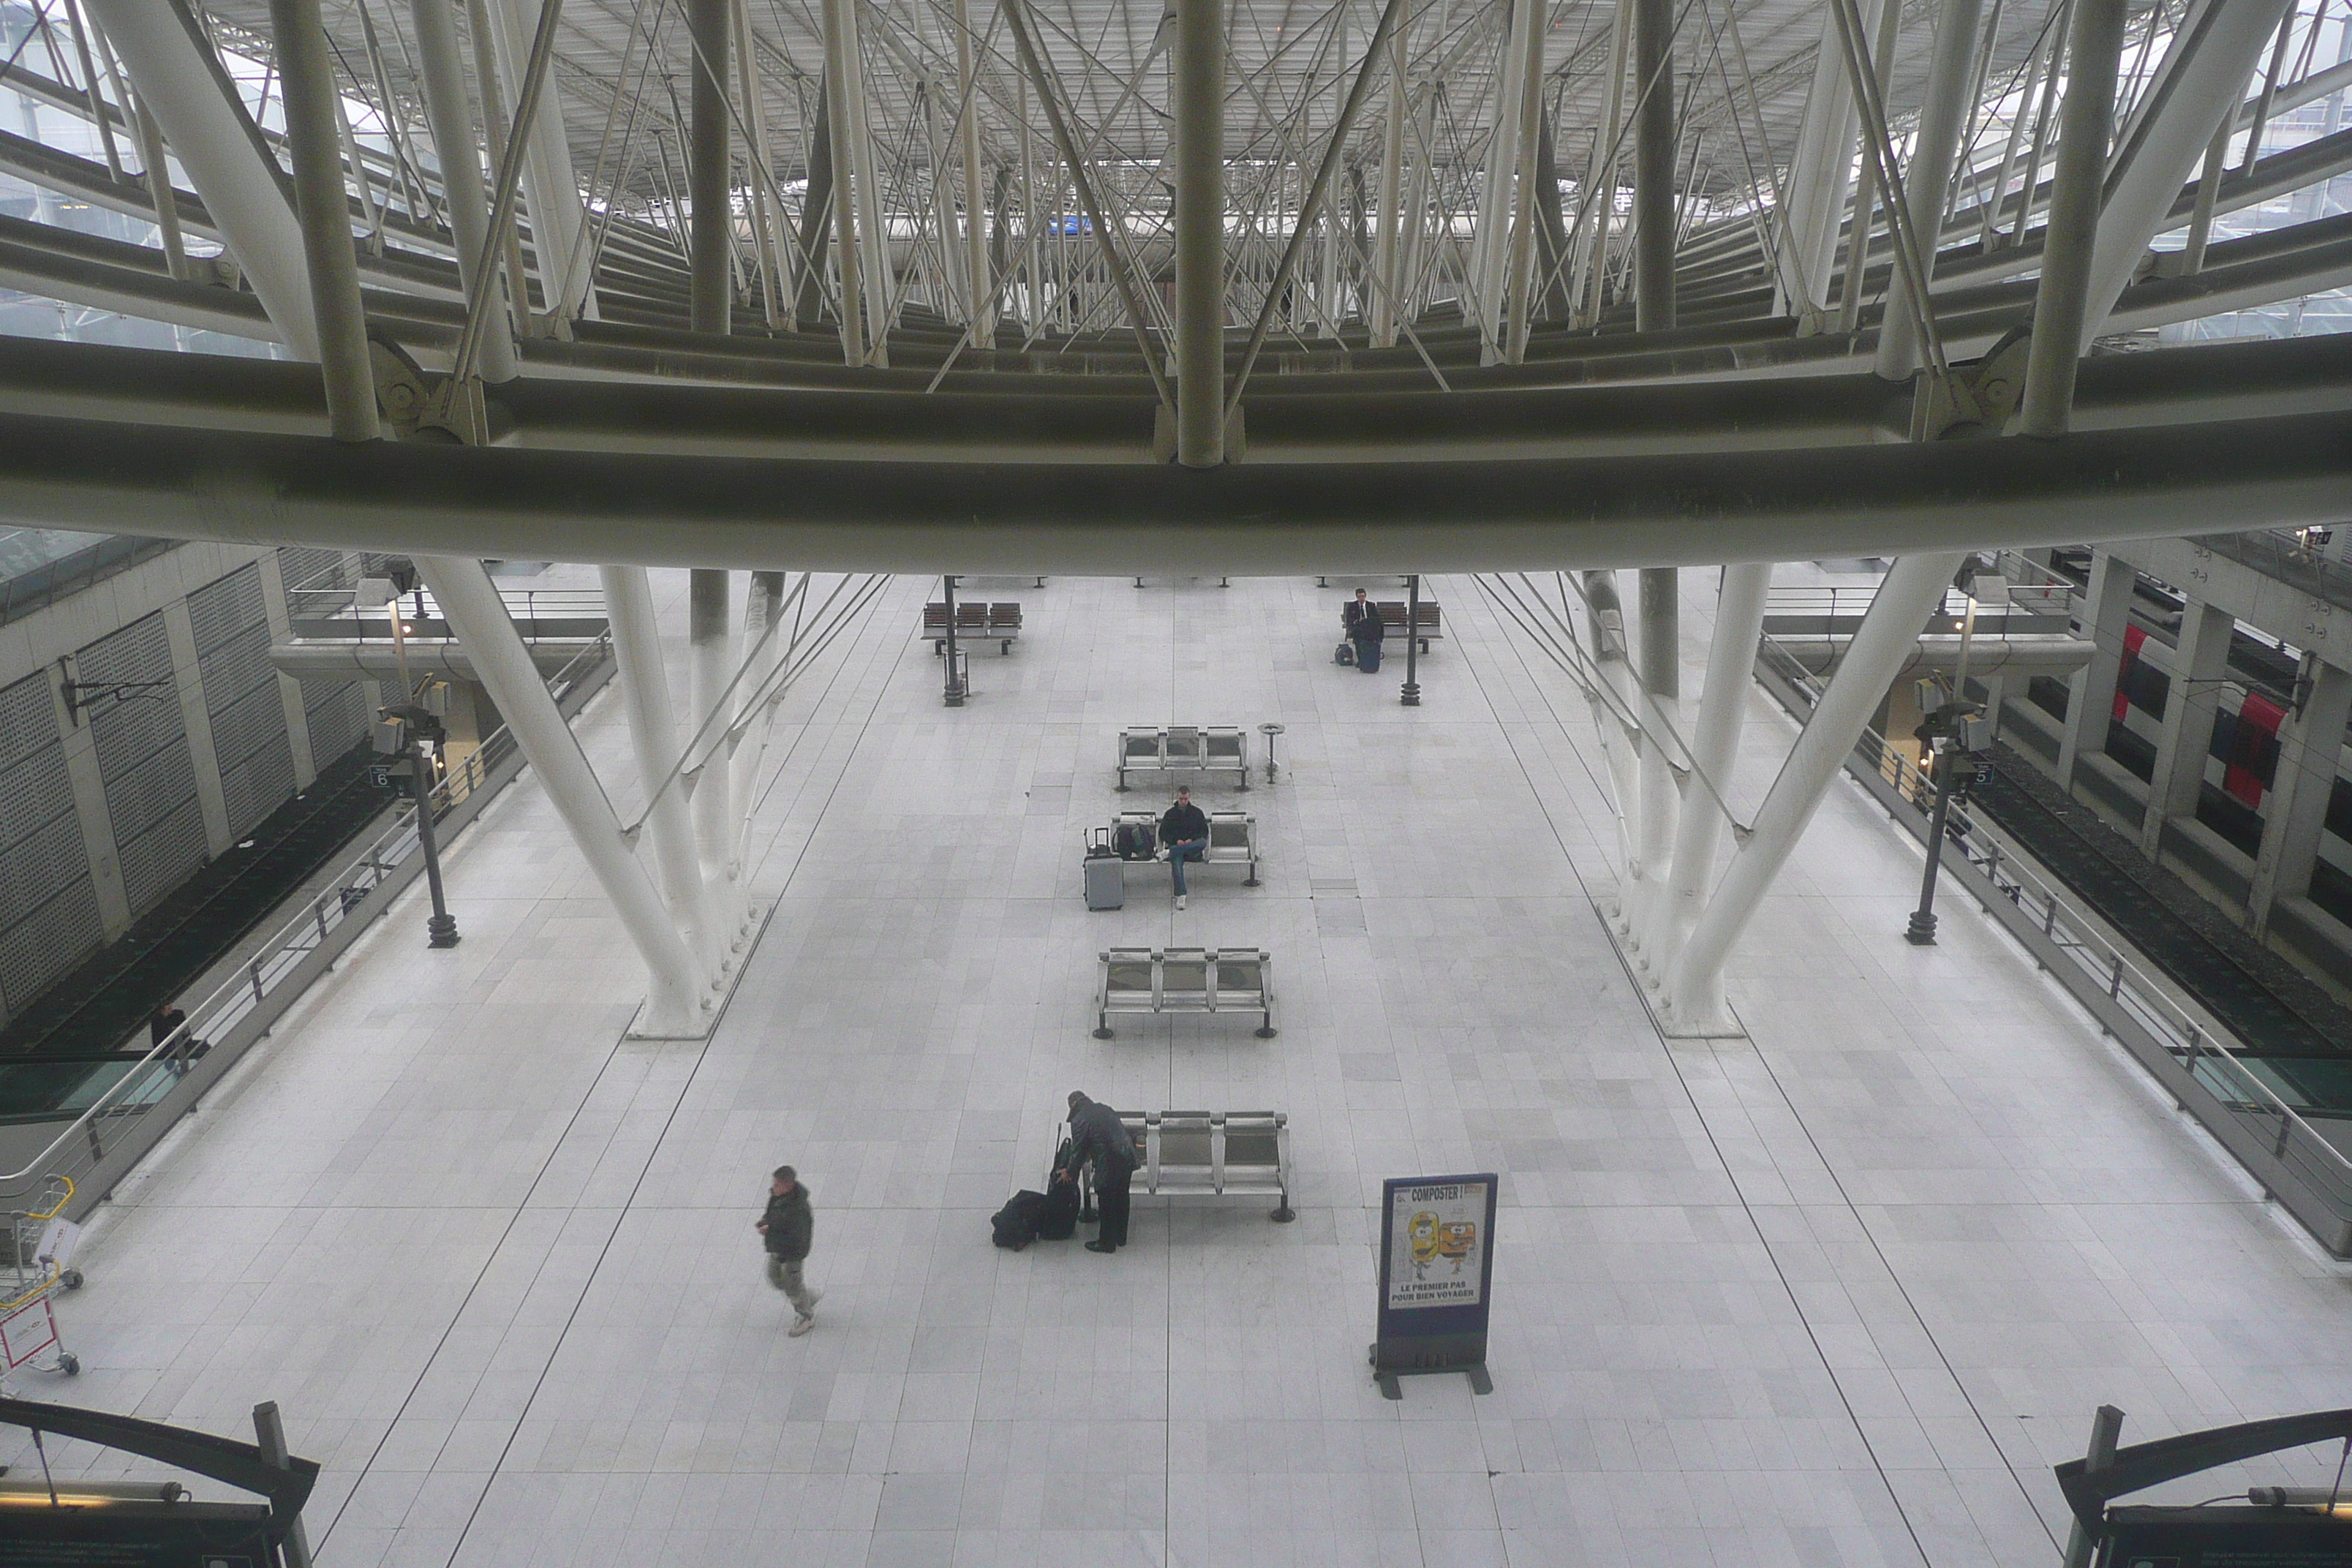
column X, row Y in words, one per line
column 1205, row 1154
column 1183, row 749
column 975, row 620
column 1185, row 980
column 1233, row 839
column 1425, row 628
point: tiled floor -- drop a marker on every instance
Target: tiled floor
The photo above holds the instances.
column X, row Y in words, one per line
column 1839, row 1296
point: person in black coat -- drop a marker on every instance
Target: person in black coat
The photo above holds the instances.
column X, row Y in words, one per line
column 788, row 1227
column 1365, row 629
column 1096, row 1134
column 1185, row 831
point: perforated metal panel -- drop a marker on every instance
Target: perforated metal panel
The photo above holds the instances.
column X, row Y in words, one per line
column 338, row 716
column 49, row 908
column 143, row 755
column 249, row 720
column 309, row 566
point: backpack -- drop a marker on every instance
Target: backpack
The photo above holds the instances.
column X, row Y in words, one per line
column 1015, row 1225
column 1132, row 841
column 1344, row 654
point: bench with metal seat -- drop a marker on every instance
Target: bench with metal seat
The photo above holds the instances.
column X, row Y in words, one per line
column 1205, row 1154
column 1185, row 980
column 975, row 620
column 1183, row 749
column 1425, row 624
column 1233, row 839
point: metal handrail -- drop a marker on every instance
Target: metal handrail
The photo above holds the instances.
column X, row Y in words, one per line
column 2191, row 1043
column 81, row 1145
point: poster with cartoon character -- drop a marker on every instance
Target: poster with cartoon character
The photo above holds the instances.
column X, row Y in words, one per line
column 1438, row 1244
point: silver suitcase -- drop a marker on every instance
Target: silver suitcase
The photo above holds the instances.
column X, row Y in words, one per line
column 1106, row 884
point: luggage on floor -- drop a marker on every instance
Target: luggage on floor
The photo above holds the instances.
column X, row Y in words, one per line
column 1105, row 883
column 1015, row 1225
column 1133, row 841
column 1368, row 657
column 1344, row 652
column 1059, row 1219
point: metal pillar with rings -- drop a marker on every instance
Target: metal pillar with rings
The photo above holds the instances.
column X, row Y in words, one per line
column 1410, row 694
column 959, row 685
column 418, row 734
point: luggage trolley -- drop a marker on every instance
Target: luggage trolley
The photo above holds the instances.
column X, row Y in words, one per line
column 40, row 1248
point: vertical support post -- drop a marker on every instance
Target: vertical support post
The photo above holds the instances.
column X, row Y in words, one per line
column 675, row 1004
column 494, row 130
column 761, row 614
column 1607, row 612
column 981, row 316
column 1715, row 749
column 270, row 1435
column 556, row 214
column 1490, row 243
column 2209, row 186
column 1660, row 673
column 768, row 240
column 712, row 219
column 1198, row 91
column 2311, row 745
column 952, row 693
column 1654, row 193
column 2200, row 659
column 1520, row 303
column 1927, row 184
column 808, row 306
column 710, row 635
column 440, row 926
column 645, row 696
column 1598, row 200
column 2091, row 693
column 160, row 191
column 1411, row 695
column 841, row 133
column 310, row 86
column 442, row 71
column 1888, row 633
column 186, row 91
column 2107, row 1428
column 2060, row 303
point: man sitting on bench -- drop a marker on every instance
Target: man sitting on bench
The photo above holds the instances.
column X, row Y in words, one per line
column 1185, row 830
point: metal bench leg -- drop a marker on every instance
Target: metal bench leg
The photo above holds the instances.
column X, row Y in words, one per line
column 1102, row 1026
column 1284, row 1215
column 1266, row 1031
column 1252, row 882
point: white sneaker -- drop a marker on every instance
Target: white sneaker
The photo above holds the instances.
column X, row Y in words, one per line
column 1179, row 900
column 800, row 1326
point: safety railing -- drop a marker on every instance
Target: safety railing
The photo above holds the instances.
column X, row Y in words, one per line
column 122, row 1123
column 538, row 614
column 2195, row 1061
column 2035, row 608
column 2291, row 556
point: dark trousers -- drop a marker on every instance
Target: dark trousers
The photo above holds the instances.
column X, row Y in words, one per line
column 1110, row 1200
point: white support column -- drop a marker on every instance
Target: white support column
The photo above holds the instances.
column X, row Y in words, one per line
column 1927, row 184
column 289, row 691
column 1821, row 172
column 196, row 717
column 645, row 691
column 181, row 89
column 675, row 1001
column 841, row 134
column 1660, row 711
column 761, row 610
column 1619, row 746
column 2200, row 81
column 982, row 316
column 2200, row 659
column 1491, row 247
column 1715, row 749
column 710, row 636
column 2091, row 694
column 1381, row 298
column 1886, row 637
column 441, row 71
column 2311, row 747
column 550, row 188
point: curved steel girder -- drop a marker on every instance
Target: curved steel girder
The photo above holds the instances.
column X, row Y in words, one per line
column 2180, row 385
column 1269, row 520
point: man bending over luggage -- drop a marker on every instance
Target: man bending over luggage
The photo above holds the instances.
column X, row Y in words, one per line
column 1185, row 831
column 1096, row 1134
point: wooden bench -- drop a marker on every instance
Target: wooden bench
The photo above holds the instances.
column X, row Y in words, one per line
column 1185, row 980
column 974, row 622
column 1425, row 628
column 1183, row 749
column 1233, row 839
column 1205, row 1154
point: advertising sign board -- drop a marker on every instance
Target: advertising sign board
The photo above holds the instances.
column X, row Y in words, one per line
column 1436, row 1275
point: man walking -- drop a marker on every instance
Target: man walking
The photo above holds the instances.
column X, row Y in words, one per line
column 789, row 1226
column 1365, row 629
column 1096, row 1134
column 1185, row 831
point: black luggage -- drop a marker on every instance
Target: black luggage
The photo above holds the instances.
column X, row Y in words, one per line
column 1344, row 654
column 1015, row 1225
column 1060, row 1220
column 1133, row 841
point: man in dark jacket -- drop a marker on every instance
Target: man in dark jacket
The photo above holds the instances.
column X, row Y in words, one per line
column 1185, row 831
column 1096, row 1134
column 1365, row 629
column 789, row 1226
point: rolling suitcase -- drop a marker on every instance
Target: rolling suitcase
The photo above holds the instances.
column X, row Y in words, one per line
column 1105, row 877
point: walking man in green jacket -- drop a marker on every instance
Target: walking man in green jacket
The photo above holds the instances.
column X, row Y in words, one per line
column 789, row 1226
